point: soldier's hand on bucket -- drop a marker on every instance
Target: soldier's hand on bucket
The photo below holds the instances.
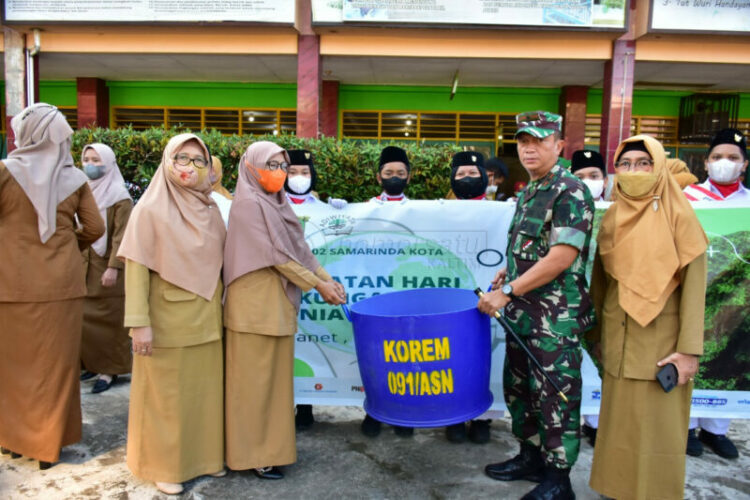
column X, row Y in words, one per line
column 499, row 279
column 332, row 292
column 492, row 301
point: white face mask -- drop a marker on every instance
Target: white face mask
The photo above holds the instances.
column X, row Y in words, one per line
column 596, row 186
column 724, row 171
column 491, row 189
column 299, row 183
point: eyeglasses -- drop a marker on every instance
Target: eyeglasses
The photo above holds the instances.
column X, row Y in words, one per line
column 273, row 165
column 184, row 160
column 640, row 164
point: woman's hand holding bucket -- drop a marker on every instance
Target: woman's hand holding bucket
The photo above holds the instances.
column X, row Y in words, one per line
column 332, row 292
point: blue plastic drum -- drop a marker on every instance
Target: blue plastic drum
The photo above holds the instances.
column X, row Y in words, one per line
column 424, row 356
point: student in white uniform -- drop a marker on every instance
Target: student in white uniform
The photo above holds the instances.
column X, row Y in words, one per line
column 301, row 179
column 588, row 165
column 299, row 188
column 726, row 163
column 394, row 174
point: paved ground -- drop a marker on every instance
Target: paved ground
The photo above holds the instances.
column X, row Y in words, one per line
column 335, row 461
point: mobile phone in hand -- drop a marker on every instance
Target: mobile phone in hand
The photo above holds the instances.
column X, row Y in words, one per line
column 667, row 377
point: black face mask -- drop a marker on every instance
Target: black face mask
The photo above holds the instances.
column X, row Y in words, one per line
column 394, row 186
column 467, row 188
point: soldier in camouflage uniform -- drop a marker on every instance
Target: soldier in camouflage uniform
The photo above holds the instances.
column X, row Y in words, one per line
column 544, row 293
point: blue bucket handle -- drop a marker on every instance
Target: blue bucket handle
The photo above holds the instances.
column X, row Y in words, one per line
column 346, row 312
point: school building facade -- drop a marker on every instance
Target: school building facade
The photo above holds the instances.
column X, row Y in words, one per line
column 371, row 71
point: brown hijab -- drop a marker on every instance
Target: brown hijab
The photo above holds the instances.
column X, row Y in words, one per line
column 41, row 162
column 681, row 172
column 263, row 229
column 218, row 173
column 175, row 231
column 644, row 242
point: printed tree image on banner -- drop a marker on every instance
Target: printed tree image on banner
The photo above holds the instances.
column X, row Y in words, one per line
column 378, row 248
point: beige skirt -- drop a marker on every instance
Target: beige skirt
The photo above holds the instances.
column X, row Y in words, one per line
column 176, row 419
column 259, row 400
column 640, row 445
column 40, row 346
column 105, row 344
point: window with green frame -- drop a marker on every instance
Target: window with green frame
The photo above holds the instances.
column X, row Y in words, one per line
column 258, row 121
column 428, row 126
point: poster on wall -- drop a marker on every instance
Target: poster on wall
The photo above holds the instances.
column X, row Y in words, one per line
column 117, row 11
column 557, row 13
column 701, row 15
column 374, row 249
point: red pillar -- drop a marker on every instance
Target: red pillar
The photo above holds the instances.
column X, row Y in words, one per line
column 309, row 79
column 93, row 102
column 573, row 108
column 329, row 112
column 617, row 99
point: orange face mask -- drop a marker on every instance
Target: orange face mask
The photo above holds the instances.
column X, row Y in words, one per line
column 272, row 182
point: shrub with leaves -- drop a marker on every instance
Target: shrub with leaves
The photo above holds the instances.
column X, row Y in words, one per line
column 346, row 169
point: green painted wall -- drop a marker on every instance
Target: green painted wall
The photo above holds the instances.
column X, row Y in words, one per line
column 58, row 92
column 481, row 99
column 200, row 94
column 353, row 97
column 656, row 102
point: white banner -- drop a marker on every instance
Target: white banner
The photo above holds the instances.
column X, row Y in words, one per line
column 268, row 11
column 375, row 248
column 576, row 13
column 701, row 15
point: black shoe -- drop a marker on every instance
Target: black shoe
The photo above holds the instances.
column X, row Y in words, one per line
column 403, row 432
column 456, row 433
column 694, row 446
column 554, row 486
column 528, row 465
column 590, row 433
column 479, row 431
column 4, row 450
column 13, row 454
column 304, row 419
column 87, row 375
column 101, row 385
column 44, row 465
column 370, row 427
column 269, row 473
column 720, row 444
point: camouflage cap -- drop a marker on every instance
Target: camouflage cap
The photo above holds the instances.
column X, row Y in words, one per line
column 539, row 124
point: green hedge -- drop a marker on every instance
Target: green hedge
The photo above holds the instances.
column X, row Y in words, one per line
column 346, row 169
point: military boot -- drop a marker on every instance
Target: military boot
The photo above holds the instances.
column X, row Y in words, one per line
column 528, row 465
column 554, row 486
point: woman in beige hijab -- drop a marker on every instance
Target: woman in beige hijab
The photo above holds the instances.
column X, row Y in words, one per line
column 648, row 285
column 41, row 286
column 105, row 345
column 172, row 248
column 266, row 263
column 221, row 195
